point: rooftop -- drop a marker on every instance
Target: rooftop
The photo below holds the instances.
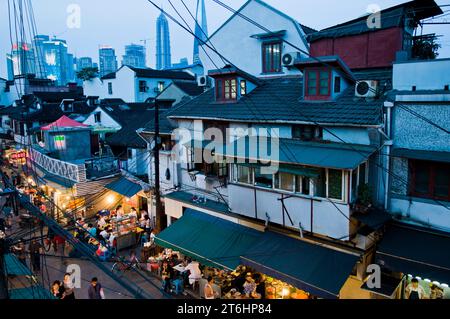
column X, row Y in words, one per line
column 280, row 100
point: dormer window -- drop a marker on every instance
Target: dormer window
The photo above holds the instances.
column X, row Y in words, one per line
column 226, row 89
column 243, row 87
column 317, row 83
column 271, row 57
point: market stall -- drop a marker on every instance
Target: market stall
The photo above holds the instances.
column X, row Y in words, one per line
column 126, row 231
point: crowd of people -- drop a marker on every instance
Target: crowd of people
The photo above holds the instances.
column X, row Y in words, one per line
column 65, row 290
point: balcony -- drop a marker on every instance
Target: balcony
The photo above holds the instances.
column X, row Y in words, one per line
column 79, row 171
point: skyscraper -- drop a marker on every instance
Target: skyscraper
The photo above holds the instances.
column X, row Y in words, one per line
column 135, row 56
column 163, row 55
column 21, row 60
column 56, row 60
column 84, row 62
column 108, row 60
column 201, row 29
column 39, row 53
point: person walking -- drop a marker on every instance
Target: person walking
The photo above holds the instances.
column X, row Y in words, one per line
column 96, row 290
column 69, row 288
column 35, row 249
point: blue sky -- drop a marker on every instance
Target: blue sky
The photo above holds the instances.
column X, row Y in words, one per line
column 117, row 23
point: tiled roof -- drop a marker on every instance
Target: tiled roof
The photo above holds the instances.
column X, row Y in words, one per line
column 280, row 101
column 57, row 97
column 109, row 76
column 131, row 121
column 190, row 88
column 164, row 74
column 50, row 112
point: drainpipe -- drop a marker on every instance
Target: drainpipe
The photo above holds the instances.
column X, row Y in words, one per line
column 388, row 144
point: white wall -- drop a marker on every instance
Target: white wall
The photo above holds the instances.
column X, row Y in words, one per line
column 123, row 86
column 427, row 212
column 425, row 75
column 94, row 87
column 105, row 120
column 327, row 220
column 234, row 40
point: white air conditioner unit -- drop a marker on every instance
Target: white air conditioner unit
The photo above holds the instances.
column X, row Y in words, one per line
column 290, row 58
column 203, row 80
column 366, row 89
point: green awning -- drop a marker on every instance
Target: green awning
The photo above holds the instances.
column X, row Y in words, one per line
column 59, row 181
column 291, row 151
column 124, row 187
column 416, row 251
column 210, row 240
column 316, row 269
column 15, row 268
column 31, row 293
column 299, row 170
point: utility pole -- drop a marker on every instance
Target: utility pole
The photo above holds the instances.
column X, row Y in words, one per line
column 159, row 210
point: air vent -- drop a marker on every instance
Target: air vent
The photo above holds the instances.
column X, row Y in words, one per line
column 366, row 89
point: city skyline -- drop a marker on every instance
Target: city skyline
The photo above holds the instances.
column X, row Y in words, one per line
column 163, row 45
column 51, row 19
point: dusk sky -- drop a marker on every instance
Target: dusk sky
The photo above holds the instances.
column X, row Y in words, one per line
column 117, row 23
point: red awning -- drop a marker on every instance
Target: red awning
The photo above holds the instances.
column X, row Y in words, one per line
column 63, row 122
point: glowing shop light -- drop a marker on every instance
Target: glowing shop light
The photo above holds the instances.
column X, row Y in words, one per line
column 427, row 280
column 110, row 199
column 410, row 276
column 285, row 292
column 444, row 285
column 437, row 283
column 418, row 278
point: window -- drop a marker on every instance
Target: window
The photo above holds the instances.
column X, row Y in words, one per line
column 303, row 185
column 161, row 86
column 143, row 86
column 216, row 169
column 307, row 132
column 195, row 159
column 226, row 89
column 337, row 84
column 243, row 85
column 130, row 153
column 110, row 88
column 263, row 178
column 271, row 57
column 285, row 182
column 318, row 83
column 244, row 174
column 430, row 180
column 335, row 184
column 98, row 117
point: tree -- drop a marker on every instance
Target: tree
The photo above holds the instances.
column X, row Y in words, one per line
column 425, row 47
column 87, row 74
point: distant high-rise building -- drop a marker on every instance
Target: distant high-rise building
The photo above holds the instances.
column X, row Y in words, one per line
column 56, row 60
column 21, row 61
column 71, row 66
column 39, row 53
column 108, row 60
column 201, row 29
column 184, row 62
column 52, row 59
column 163, row 54
column 135, row 56
column 84, row 62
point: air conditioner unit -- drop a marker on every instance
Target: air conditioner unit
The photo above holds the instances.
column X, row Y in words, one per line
column 366, row 89
column 203, row 80
column 290, row 58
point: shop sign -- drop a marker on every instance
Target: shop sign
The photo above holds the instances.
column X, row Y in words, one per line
column 18, row 155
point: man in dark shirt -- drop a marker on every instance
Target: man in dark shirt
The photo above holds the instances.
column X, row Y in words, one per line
column 35, row 249
column 95, row 290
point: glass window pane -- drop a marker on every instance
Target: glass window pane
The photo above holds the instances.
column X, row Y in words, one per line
column 305, row 185
column 244, row 174
column 335, row 184
column 422, row 178
column 286, row 182
column 263, row 179
column 442, row 181
column 320, row 184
